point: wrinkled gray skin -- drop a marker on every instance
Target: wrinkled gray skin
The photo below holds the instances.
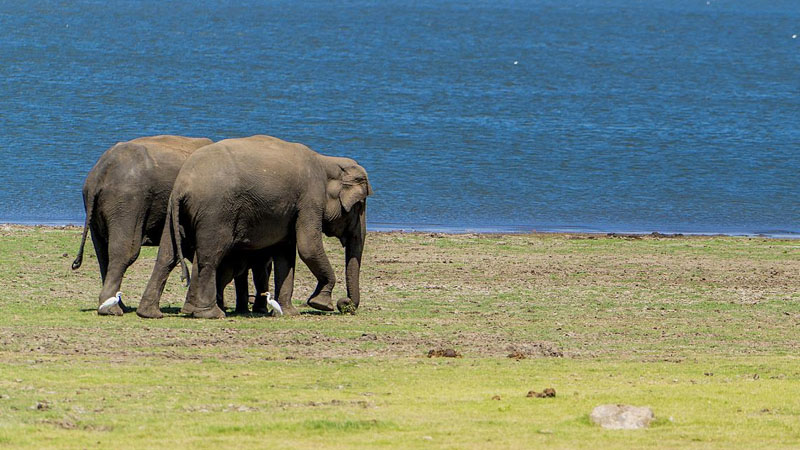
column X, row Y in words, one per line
column 126, row 195
column 262, row 193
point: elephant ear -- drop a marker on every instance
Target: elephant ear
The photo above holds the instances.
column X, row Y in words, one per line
column 355, row 186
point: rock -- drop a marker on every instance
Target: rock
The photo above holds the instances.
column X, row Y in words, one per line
column 622, row 417
column 516, row 354
column 41, row 406
column 547, row 393
column 444, row 353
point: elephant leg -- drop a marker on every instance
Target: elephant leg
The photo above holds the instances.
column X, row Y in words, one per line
column 284, row 261
column 309, row 246
column 204, row 285
column 191, row 293
column 123, row 249
column 220, row 294
column 261, row 272
column 100, row 243
column 206, row 301
column 166, row 260
column 225, row 273
column 242, row 293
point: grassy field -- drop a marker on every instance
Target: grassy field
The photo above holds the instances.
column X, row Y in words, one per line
column 704, row 330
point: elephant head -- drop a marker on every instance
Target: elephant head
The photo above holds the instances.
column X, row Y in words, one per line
column 345, row 217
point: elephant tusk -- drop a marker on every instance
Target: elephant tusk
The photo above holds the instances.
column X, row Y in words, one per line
column 274, row 304
column 108, row 304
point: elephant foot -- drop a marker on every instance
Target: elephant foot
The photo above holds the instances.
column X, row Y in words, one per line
column 289, row 310
column 188, row 308
column 213, row 313
column 346, row 306
column 146, row 312
column 322, row 302
column 243, row 310
column 260, row 305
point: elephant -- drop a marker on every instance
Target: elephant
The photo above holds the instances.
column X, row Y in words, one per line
column 125, row 196
column 262, row 193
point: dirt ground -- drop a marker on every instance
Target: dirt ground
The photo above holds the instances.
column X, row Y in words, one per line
column 522, row 296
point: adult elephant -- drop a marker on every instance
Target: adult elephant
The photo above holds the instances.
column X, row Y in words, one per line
column 125, row 196
column 262, row 193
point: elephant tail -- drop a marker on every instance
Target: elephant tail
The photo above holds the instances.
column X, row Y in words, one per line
column 89, row 202
column 173, row 215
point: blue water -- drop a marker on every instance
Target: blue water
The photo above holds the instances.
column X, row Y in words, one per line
column 622, row 115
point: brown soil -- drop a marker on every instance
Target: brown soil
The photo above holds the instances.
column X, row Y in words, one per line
column 649, row 297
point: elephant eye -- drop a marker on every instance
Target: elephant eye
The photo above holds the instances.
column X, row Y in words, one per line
column 354, row 181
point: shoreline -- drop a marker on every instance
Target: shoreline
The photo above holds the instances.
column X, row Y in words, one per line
column 500, row 230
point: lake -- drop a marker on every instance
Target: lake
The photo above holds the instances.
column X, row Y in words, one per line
column 604, row 116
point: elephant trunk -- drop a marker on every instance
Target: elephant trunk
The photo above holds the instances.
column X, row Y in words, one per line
column 354, row 247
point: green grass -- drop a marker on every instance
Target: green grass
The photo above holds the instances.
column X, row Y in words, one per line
column 702, row 330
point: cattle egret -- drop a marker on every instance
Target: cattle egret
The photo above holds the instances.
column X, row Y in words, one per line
column 108, row 304
column 275, row 306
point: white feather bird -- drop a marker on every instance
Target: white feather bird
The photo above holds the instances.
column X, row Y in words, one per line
column 108, row 304
column 275, row 306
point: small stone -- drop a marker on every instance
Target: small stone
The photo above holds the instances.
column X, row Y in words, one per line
column 516, row 354
column 444, row 353
column 427, row 438
column 41, row 406
column 622, row 417
column 547, row 393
